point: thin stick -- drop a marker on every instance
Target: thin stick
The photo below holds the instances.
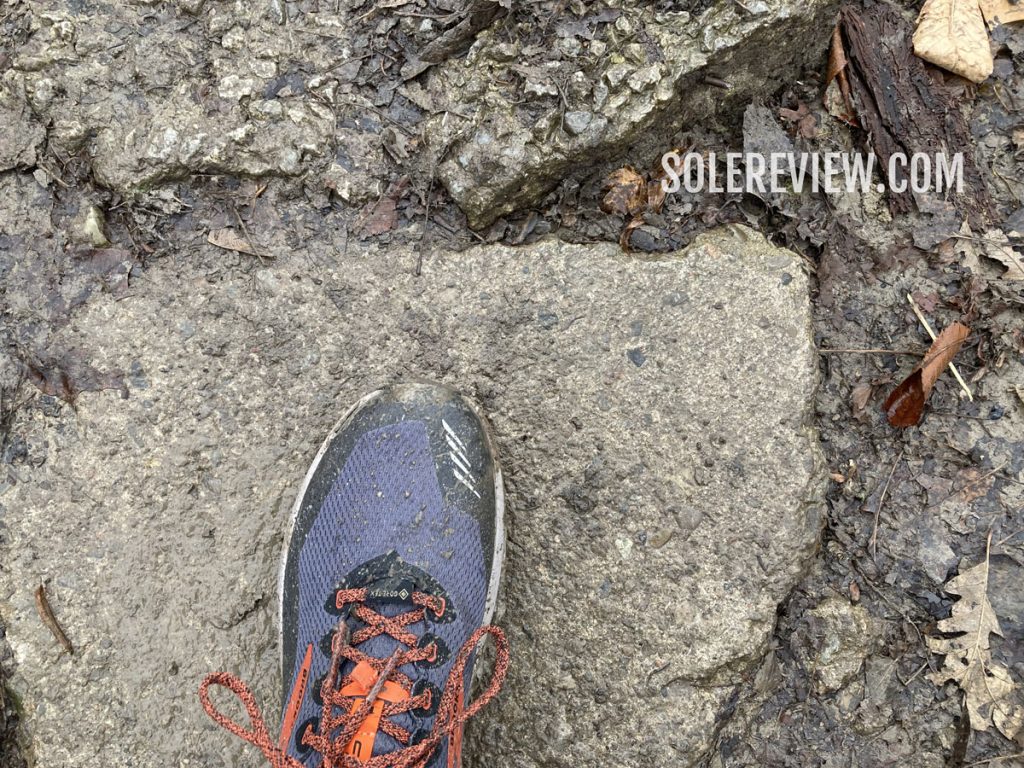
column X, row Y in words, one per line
column 46, row 614
column 991, row 760
column 873, row 541
column 248, row 238
column 868, row 352
column 927, row 327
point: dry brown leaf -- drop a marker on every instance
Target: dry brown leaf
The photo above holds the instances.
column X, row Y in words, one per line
column 69, row 375
column 986, row 685
column 230, row 240
column 624, row 192
column 1002, row 11
column 860, row 396
column 627, row 232
column 968, row 251
column 998, row 248
column 839, row 105
column 655, row 195
column 806, row 123
column 381, row 218
column 951, row 34
column 974, row 484
column 905, row 406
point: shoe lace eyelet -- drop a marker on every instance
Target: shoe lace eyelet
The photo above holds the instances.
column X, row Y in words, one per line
column 433, row 698
column 440, row 607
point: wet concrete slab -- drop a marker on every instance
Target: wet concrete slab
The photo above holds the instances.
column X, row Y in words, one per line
column 654, row 420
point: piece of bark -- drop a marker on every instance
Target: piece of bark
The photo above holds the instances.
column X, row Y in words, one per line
column 903, row 110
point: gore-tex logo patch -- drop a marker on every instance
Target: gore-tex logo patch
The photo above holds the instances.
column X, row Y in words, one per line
column 391, row 592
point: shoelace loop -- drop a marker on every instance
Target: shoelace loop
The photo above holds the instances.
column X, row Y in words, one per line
column 344, row 723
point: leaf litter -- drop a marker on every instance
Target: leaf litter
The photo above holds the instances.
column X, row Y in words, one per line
column 987, row 686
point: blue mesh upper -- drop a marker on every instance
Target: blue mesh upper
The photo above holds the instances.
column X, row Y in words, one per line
column 386, row 498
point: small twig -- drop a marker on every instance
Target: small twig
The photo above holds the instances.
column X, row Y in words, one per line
column 990, row 760
column 927, row 327
column 46, row 614
column 53, row 176
column 873, row 541
column 869, row 352
column 913, row 677
column 248, row 238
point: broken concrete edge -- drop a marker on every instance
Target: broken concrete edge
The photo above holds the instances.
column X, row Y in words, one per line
column 812, row 497
column 740, row 60
column 735, row 676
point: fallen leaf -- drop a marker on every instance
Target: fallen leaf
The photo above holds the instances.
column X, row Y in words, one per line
column 905, row 406
column 926, row 301
column 860, row 396
column 967, row 249
column 624, row 192
column 382, row 218
column 230, row 240
column 655, row 195
column 1002, row 11
column 69, row 375
column 633, row 223
column 951, row 34
column 986, row 685
column 998, row 248
column 974, row 484
column 839, row 105
column 806, row 124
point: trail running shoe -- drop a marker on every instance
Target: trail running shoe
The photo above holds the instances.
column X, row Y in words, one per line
column 388, row 583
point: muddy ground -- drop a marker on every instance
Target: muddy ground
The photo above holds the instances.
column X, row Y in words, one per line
column 906, row 509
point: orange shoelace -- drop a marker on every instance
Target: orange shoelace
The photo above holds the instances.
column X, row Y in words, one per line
column 342, row 717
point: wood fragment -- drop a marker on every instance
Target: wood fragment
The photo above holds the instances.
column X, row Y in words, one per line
column 903, row 111
column 46, row 614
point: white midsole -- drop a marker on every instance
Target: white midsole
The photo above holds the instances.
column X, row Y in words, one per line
column 497, row 561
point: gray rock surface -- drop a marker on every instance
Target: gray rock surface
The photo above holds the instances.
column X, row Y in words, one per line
column 644, row 77
column 144, row 94
column 654, row 419
column 843, row 635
